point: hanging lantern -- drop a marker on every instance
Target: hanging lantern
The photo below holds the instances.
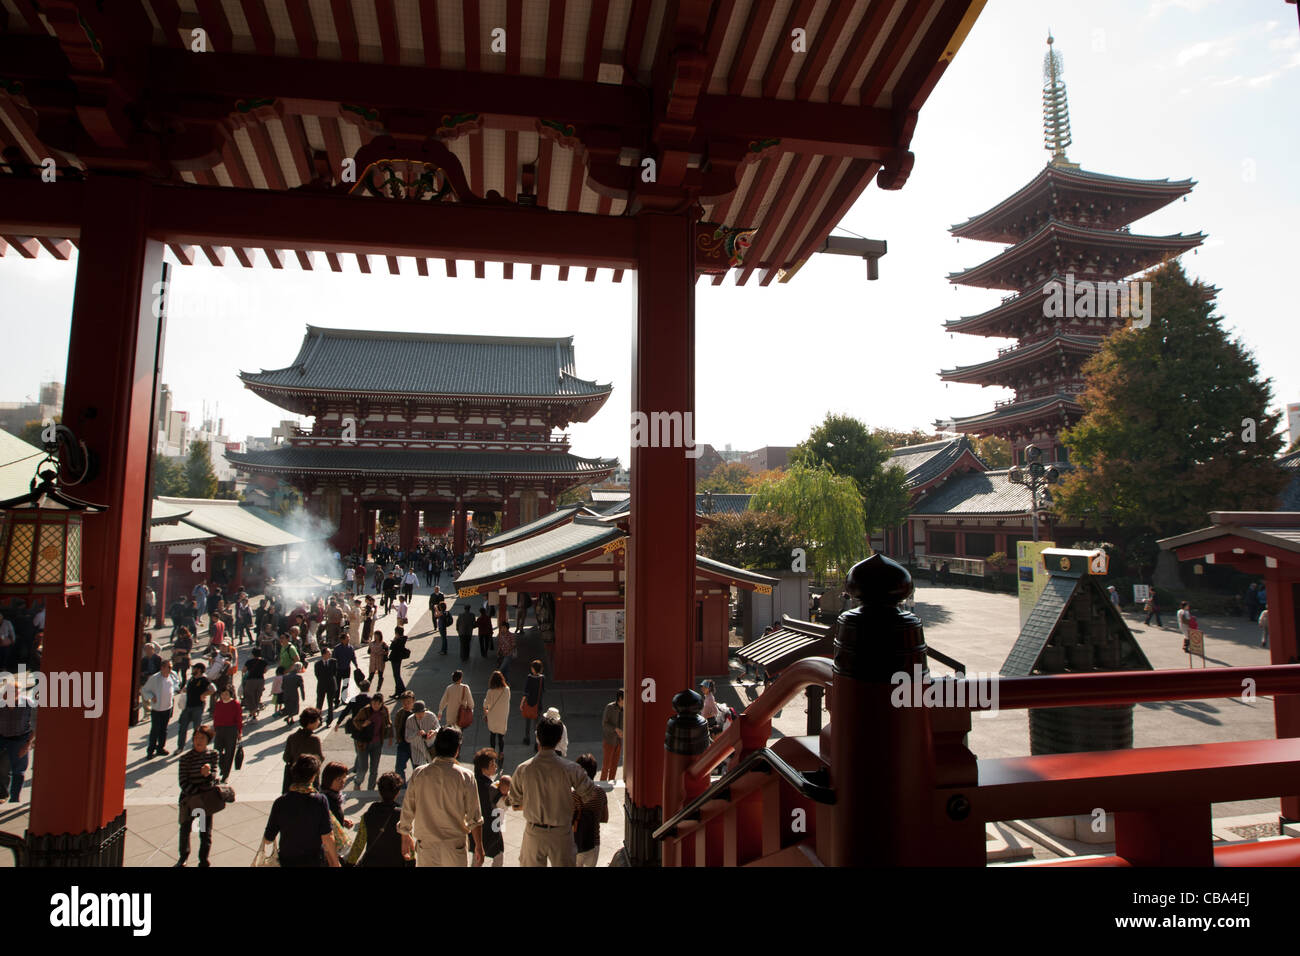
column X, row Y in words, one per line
column 41, row 536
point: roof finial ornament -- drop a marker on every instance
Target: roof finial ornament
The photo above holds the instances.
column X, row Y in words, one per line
column 1056, row 111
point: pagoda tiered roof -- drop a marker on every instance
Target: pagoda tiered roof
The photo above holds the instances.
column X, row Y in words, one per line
column 1030, row 353
column 1051, row 407
column 1072, row 194
column 1002, row 319
column 1105, row 254
column 344, row 363
column 352, row 461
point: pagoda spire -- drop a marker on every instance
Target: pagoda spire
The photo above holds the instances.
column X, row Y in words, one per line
column 1056, row 110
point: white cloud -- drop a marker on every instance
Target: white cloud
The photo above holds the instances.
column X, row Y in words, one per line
column 1219, row 48
column 1192, row 6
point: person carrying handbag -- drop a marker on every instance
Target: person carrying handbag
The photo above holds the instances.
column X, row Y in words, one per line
column 530, row 707
column 456, row 708
column 201, row 798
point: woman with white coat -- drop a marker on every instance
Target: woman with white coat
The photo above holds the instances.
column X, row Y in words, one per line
column 456, row 696
column 496, row 709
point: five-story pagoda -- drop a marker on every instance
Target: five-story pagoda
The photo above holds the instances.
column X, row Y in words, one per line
column 414, row 430
column 1069, row 235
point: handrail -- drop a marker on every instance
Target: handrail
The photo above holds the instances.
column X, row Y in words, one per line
column 957, row 666
column 791, row 683
column 15, row 843
column 1129, row 687
column 797, row 779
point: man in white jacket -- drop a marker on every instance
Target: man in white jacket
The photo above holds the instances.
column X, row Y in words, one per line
column 421, row 727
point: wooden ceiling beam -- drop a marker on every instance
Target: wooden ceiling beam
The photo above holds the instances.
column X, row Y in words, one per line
column 755, row 26
column 58, row 248
column 819, row 52
column 896, row 44
column 422, row 265
column 216, row 254
column 787, row 191
column 296, row 135
column 817, row 189
column 472, row 37
column 514, row 31
column 333, row 260
column 234, row 163
column 394, row 268
column 304, row 28
column 554, row 37
column 388, row 42
column 259, row 26
column 429, row 33
column 595, row 40
column 275, row 257
column 266, row 155
column 363, row 263
column 798, row 17
column 306, row 259
column 184, row 254
column 243, row 255
column 26, row 247
column 212, row 18
column 864, row 37
column 345, row 27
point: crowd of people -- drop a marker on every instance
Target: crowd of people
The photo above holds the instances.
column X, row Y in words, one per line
column 448, row 814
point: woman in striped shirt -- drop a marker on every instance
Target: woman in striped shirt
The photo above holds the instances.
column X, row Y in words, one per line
column 197, row 772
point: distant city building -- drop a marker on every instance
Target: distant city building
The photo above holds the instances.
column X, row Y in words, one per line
column 766, row 458
column 14, row 416
column 1293, row 423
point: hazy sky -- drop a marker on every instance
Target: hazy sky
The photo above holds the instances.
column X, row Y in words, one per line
column 1163, row 88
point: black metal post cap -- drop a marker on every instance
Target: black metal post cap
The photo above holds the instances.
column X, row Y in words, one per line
column 687, row 732
column 879, row 582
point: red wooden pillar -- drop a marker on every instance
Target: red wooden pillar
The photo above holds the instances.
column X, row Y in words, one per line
column 77, row 816
column 161, row 591
column 406, row 526
column 660, row 620
column 1281, row 586
column 510, row 517
column 458, row 526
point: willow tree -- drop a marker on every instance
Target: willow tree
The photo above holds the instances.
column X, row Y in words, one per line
column 825, row 511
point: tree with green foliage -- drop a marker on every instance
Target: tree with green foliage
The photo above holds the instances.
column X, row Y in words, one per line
column 826, row 514
column 849, row 449
column 751, row 539
column 200, row 479
column 169, row 477
column 729, row 478
column 993, row 451
column 32, row 431
column 900, row 439
column 1176, row 422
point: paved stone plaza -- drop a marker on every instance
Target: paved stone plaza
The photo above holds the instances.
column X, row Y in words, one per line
column 975, row 627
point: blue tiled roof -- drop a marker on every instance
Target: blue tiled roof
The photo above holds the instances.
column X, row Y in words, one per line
column 396, row 461
column 419, row 363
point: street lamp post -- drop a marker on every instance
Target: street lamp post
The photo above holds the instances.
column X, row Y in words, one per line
column 1035, row 476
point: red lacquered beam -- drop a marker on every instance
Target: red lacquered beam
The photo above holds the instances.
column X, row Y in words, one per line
column 1132, row 687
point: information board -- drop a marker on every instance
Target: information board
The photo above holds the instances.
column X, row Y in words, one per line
column 604, row 625
column 1031, row 573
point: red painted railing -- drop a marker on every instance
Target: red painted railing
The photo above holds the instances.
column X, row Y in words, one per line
column 1160, row 797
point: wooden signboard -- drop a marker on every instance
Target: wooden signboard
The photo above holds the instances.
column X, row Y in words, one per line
column 1195, row 646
